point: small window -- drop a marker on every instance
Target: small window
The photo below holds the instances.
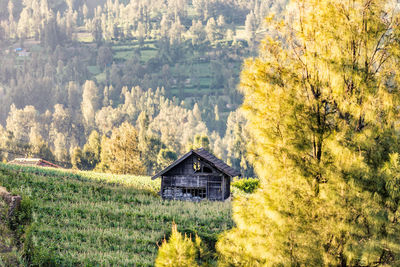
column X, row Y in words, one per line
column 207, row 169
column 196, row 165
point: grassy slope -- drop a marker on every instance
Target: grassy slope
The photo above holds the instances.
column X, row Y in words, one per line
column 8, row 250
column 86, row 218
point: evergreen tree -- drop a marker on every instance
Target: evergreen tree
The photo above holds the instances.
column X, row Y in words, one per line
column 77, row 160
column 197, row 33
column 121, row 151
column 104, row 57
column 38, row 147
column 165, row 157
column 90, row 104
column 60, row 148
column 211, row 30
column 179, row 251
column 97, row 31
column 91, row 150
column 251, row 28
column 21, row 121
column 236, row 138
column 149, row 144
column 105, row 155
column 322, row 107
column 200, row 141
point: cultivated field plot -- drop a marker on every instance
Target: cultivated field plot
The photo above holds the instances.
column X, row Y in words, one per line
column 85, row 218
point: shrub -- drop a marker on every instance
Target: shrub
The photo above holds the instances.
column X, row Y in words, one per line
column 182, row 251
column 248, row 185
column 178, row 251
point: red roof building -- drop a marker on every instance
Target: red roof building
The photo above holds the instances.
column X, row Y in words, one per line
column 33, row 162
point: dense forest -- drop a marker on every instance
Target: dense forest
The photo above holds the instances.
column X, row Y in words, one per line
column 168, row 68
column 126, row 87
column 322, row 107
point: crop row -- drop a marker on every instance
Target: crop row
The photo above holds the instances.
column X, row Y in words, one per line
column 86, row 218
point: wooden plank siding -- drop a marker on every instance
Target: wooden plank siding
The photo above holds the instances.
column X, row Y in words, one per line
column 196, row 176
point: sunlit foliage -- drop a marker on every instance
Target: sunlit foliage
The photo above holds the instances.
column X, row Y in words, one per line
column 96, row 219
column 322, row 104
column 120, row 153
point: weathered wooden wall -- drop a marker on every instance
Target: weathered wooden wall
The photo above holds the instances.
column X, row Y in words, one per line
column 194, row 180
column 185, row 180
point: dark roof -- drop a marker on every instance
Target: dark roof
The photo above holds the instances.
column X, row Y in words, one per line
column 207, row 156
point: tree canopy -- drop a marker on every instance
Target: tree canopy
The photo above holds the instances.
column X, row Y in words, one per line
column 120, row 153
column 322, row 102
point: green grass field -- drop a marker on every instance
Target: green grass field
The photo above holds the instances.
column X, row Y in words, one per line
column 87, row 219
column 84, row 37
column 131, row 46
column 9, row 254
column 147, row 54
column 123, row 54
column 95, row 70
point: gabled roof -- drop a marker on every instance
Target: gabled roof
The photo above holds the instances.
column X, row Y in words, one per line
column 208, row 157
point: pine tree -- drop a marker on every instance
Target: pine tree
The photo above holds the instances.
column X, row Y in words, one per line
column 180, row 251
column 38, row 147
column 77, row 160
column 165, row 157
column 200, row 141
column 60, row 148
column 105, row 155
column 251, row 28
column 322, row 107
column 92, row 150
column 121, row 153
column 149, row 144
column 211, row 30
column 90, row 104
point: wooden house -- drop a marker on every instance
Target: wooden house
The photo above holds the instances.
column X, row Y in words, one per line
column 195, row 176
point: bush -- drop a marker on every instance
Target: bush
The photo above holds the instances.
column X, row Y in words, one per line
column 248, row 185
column 22, row 216
column 12, row 232
column 178, row 251
column 182, row 251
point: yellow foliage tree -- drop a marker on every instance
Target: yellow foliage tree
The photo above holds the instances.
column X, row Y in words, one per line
column 179, row 251
column 120, row 153
column 322, row 102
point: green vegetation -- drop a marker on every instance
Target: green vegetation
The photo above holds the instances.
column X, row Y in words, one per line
column 123, row 55
column 248, row 185
column 120, row 153
column 181, row 251
column 84, row 37
column 147, row 54
column 187, row 52
column 321, row 103
column 95, row 70
column 9, row 254
column 12, row 231
column 86, row 218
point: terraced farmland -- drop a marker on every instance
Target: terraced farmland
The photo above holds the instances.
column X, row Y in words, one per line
column 85, row 218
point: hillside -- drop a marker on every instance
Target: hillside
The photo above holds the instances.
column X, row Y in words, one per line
column 74, row 67
column 85, row 218
column 9, row 255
